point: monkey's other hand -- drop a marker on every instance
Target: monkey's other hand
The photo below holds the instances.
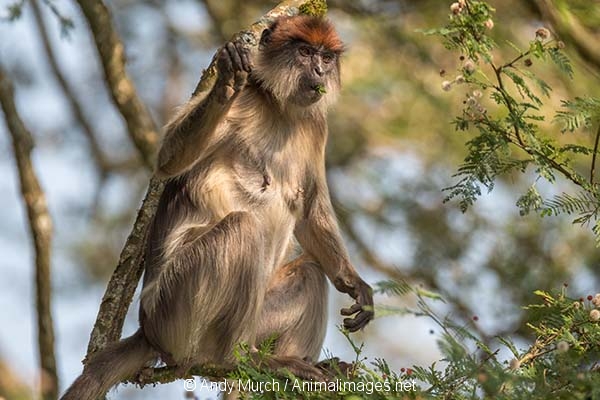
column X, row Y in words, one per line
column 233, row 65
column 362, row 310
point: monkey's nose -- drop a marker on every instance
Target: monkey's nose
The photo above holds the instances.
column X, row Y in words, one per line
column 319, row 70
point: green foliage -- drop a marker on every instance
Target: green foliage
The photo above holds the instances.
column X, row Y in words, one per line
column 66, row 23
column 579, row 113
column 14, row 10
column 314, row 7
column 560, row 362
column 467, row 31
column 561, row 61
column 508, row 135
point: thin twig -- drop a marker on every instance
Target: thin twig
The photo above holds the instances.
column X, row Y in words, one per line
column 594, row 155
column 88, row 131
column 502, row 90
column 40, row 225
column 555, row 164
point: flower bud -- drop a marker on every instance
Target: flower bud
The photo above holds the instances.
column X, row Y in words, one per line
column 594, row 315
column 446, row 86
column 489, row 24
column 469, row 67
column 542, row 33
column 562, row 346
column 456, row 8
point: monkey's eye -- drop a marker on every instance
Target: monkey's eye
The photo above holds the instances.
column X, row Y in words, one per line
column 304, row 51
column 328, row 57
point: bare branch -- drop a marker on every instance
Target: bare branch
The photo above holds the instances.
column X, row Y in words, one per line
column 140, row 125
column 40, row 225
column 124, row 280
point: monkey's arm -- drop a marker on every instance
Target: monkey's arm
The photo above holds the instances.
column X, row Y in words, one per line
column 194, row 128
column 319, row 236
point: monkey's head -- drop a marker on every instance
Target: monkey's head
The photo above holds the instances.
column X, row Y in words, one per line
column 298, row 61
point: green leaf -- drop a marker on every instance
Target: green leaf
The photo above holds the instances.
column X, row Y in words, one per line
column 530, row 201
column 561, row 61
column 522, row 86
column 579, row 112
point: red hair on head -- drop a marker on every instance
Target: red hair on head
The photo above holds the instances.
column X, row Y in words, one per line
column 316, row 31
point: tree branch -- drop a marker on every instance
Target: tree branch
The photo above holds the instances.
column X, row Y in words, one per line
column 124, row 280
column 140, row 125
column 40, row 225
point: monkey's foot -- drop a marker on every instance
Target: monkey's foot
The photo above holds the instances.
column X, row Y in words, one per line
column 335, row 367
column 296, row 366
column 144, row 376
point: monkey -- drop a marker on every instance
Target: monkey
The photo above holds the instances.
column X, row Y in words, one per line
column 244, row 237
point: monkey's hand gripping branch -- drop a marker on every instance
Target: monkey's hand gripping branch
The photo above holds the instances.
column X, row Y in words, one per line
column 233, row 65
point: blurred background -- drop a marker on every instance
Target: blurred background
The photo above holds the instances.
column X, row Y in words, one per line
column 392, row 150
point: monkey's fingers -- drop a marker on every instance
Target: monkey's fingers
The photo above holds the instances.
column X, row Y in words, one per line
column 351, row 310
column 234, row 55
column 359, row 321
column 224, row 62
column 245, row 57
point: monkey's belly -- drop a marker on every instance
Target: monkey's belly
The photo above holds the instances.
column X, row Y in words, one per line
column 276, row 206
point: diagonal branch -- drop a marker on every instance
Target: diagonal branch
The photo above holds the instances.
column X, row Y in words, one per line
column 123, row 282
column 111, row 50
column 40, row 225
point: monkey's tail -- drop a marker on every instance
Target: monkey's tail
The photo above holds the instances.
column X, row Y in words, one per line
column 110, row 366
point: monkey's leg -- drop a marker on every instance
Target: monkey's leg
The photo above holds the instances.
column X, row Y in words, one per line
column 208, row 294
column 295, row 311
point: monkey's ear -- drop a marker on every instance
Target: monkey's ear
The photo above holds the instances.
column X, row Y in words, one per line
column 265, row 37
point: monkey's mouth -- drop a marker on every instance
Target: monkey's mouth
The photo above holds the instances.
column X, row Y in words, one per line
column 319, row 88
column 309, row 92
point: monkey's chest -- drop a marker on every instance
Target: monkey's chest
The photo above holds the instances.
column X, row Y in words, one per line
column 273, row 192
column 276, row 201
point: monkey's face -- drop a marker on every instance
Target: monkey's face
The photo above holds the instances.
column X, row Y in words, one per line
column 316, row 71
column 298, row 62
column 299, row 73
